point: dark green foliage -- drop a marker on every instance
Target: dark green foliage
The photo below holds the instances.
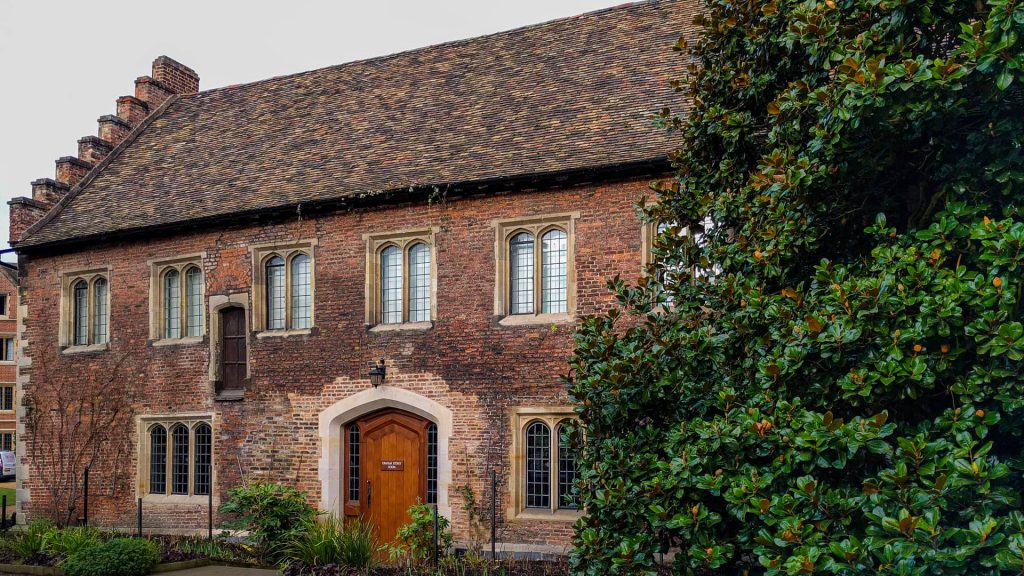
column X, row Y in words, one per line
column 116, row 557
column 838, row 386
column 270, row 512
column 415, row 541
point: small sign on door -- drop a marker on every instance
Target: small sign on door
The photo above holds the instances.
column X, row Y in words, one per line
column 392, row 465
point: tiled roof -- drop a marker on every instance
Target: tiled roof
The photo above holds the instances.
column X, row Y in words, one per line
column 565, row 95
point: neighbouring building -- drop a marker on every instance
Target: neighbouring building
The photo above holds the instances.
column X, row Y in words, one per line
column 231, row 263
column 8, row 353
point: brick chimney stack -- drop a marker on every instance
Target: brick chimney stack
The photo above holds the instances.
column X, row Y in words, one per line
column 168, row 77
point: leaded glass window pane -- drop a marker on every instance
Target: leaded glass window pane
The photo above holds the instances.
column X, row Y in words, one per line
column 432, row 464
column 172, row 304
column 7, row 398
column 204, row 460
column 100, row 318
column 275, row 293
column 194, row 301
column 521, row 273
column 538, row 466
column 158, row 460
column 391, row 285
column 353, row 462
column 554, row 256
column 301, row 292
column 567, row 471
column 80, row 336
column 179, row 459
column 419, row 283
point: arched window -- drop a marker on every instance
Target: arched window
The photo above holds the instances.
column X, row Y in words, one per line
column 538, row 465
column 194, row 301
column 554, row 283
column 432, row 463
column 301, row 292
column 158, row 460
column 179, row 459
column 203, row 469
column 521, row 273
column 567, row 471
column 172, row 304
column 353, row 463
column 100, row 318
column 275, row 293
column 391, row 285
column 80, row 313
column 419, row 283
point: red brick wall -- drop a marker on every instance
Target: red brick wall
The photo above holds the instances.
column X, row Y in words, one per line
column 8, row 329
column 477, row 368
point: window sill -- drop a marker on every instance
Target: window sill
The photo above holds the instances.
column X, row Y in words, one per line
column 175, row 499
column 186, row 341
column 87, row 348
column 405, row 326
column 229, row 396
column 536, row 319
column 537, row 514
column 284, row 333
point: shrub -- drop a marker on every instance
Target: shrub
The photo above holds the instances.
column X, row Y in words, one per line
column 415, row 540
column 68, row 541
column 823, row 372
column 329, row 540
column 116, row 557
column 269, row 512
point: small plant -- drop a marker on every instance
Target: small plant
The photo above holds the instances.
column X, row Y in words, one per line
column 270, row 512
column 117, row 557
column 329, row 540
column 69, row 541
column 30, row 540
column 415, row 540
column 216, row 549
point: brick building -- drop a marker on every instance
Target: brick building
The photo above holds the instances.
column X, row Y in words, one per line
column 8, row 353
column 237, row 258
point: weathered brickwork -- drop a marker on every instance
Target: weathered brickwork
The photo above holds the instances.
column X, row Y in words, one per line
column 467, row 362
column 8, row 329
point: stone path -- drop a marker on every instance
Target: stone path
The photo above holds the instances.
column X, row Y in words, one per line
column 224, row 571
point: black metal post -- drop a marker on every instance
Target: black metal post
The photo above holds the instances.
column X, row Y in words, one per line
column 4, row 506
column 209, row 512
column 85, row 498
column 140, row 517
column 436, row 565
column 494, row 513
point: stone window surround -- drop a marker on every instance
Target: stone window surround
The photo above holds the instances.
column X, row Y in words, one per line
column 217, row 303
column 67, row 279
column 156, row 297
column 403, row 240
column 191, row 420
column 258, row 312
column 520, row 418
column 538, row 225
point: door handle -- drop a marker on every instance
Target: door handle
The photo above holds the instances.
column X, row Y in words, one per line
column 369, row 494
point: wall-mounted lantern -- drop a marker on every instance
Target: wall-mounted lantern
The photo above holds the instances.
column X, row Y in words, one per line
column 377, row 373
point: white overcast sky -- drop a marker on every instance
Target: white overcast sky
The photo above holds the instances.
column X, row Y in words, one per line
column 63, row 63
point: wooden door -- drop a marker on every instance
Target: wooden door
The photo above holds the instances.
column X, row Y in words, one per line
column 232, row 349
column 392, row 469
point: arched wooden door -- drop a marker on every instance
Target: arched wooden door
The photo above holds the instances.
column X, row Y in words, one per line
column 387, row 456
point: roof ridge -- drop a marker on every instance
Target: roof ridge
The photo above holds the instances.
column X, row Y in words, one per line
column 77, row 189
column 447, row 43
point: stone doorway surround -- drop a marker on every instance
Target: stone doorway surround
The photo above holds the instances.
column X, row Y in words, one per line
column 332, row 448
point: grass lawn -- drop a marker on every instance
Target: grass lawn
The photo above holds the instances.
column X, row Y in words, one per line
column 9, row 492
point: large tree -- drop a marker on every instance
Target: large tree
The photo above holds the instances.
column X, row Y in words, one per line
column 822, row 372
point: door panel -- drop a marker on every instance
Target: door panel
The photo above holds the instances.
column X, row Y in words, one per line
column 233, row 349
column 393, row 469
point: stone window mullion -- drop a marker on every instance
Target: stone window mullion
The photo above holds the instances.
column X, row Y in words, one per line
column 405, row 281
